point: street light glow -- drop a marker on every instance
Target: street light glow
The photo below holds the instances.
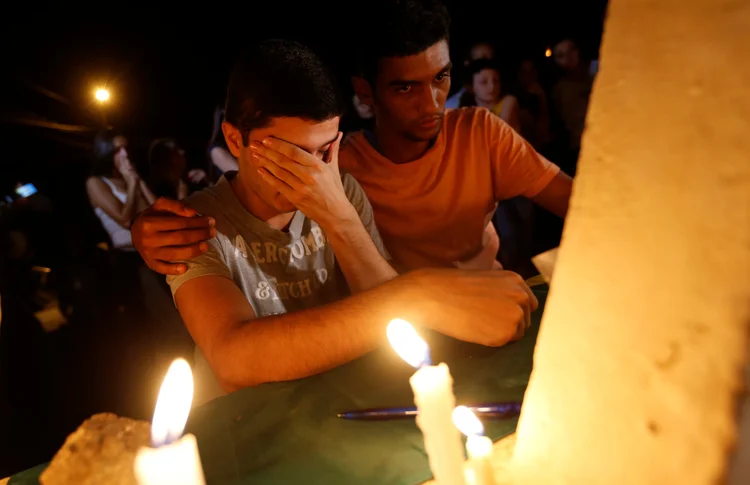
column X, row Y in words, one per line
column 101, row 95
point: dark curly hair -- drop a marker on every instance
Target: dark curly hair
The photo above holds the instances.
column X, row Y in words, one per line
column 280, row 78
column 400, row 28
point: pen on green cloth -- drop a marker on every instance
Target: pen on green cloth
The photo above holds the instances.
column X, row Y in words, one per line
column 503, row 410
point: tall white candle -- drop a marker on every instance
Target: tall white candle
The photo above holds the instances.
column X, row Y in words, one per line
column 172, row 460
column 478, row 447
column 433, row 395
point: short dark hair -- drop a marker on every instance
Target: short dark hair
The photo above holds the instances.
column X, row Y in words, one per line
column 400, row 28
column 103, row 153
column 480, row 41
column 566, row 38
column 479, row 65
column 280, row 78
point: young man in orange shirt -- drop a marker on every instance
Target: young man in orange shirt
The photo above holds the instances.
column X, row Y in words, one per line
column 433, row 176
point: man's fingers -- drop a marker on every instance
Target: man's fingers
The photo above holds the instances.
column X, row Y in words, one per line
column 532, row 298
column 333, row 152
column 155, row 223
column 173, row 269
column 278, row 184
column 523, row 297
column 527, row 316
column 180, row 238
column 299, row 171
column 520, row 331
column 179, row 253
column 176, row 207
column 280, row 173
column 529, row 303
column 292, row 152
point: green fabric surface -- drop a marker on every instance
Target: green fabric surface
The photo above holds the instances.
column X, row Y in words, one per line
column 28, row 477
column 288, row 433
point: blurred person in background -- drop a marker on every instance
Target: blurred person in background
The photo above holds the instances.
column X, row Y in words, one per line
column 533, row 107
column 169, row 176
column 486, row 90
column 118, row 193
column 116, row 190
column 151, row 324
column 571, row 97
column 477, row 50
column 221, row 158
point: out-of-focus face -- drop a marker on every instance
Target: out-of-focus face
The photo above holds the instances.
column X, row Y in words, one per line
column 410, row 92
column 177, row 162
column 315, row 137
column 486, row 86
column 482, row 51
column 121, row 157
column 567, row 56
column 527, row 74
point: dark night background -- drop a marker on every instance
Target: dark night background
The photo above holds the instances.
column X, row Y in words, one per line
column 166, row 66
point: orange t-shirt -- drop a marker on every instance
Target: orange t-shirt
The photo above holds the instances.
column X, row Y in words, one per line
column 432, row 212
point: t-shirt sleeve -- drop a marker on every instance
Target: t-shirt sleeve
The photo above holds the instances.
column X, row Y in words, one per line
column 210, row 263
column 517, row 169
column 362, row 205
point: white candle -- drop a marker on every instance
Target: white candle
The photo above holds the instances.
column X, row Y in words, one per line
column 172, row 460
column 433, row 395
column 478, row 447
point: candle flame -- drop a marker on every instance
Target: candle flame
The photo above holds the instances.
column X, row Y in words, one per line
column 548, row 52
column 407, row 343
column 173, row 404
column 467, row 422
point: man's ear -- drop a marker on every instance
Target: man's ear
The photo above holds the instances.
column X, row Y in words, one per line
column 233, row 137
column 363, row 90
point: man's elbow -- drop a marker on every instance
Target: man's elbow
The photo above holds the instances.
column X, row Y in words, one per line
column 232, row 377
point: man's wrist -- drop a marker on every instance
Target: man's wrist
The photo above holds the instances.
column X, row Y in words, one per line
column 341, row 224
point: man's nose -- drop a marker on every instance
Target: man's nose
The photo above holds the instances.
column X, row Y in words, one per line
column 431, row 101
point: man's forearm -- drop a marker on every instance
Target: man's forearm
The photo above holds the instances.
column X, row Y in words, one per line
column 299, row 344
column 360, row 260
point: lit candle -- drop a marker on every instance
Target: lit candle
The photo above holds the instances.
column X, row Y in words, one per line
column 478, row 447
column 433, row 395
column 172, row 460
